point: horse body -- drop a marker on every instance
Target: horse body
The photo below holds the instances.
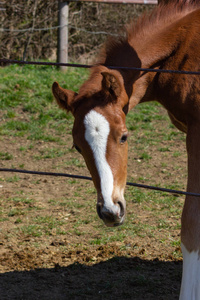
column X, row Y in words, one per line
column 168, row 39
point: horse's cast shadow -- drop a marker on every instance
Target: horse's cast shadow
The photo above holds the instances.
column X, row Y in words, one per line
column 117, row 278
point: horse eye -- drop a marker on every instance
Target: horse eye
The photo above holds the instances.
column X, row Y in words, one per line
column 77, row 148
column 124, row 138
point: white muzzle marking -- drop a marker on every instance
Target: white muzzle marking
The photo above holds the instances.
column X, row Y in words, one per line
column 96, row 134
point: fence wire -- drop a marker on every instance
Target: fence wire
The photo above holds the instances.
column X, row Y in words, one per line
column 31, row 29
column 85, row 177
column 144, row 186
column 22, row 62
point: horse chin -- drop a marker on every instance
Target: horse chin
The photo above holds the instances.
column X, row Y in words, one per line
column 116, row 224
column 113, row 223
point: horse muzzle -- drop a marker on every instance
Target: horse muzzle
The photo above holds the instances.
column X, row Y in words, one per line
column 113, row 215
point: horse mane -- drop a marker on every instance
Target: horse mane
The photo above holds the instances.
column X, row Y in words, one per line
column 161, row 16
column 144, row 28
column 136, row 33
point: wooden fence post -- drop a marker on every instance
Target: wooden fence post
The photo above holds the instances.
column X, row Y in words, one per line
column 63, row 13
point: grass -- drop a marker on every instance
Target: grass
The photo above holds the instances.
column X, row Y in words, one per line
column 50, row 153
column 26, row 101
column 5, row 156
column 29, row 114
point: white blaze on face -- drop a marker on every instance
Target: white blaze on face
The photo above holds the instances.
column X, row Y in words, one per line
column 96, row 134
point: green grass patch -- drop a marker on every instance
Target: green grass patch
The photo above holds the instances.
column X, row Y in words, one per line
column 27, row 90
column 5, row 156
column 50, row 153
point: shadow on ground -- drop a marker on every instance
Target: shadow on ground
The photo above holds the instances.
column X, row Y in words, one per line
column 117, row 278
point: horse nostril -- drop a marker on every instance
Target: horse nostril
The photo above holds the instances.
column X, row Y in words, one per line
column 99, row 207
column 122, row 210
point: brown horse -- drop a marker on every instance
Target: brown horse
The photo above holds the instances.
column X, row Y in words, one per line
column 169, row 38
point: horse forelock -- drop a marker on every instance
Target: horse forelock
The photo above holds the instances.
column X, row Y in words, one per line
column 91, row 94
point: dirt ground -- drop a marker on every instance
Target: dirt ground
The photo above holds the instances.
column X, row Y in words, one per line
column 63, row 263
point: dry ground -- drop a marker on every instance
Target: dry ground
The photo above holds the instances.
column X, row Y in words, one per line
column 52, row 244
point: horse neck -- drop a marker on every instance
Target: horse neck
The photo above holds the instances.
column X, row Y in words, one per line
column 153, row 54
column 157, row 37
column 157, row 51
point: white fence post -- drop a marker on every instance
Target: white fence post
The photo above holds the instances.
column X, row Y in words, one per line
column 63, row 13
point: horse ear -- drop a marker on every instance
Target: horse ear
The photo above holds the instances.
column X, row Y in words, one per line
column 111, row 85
column 63, row 97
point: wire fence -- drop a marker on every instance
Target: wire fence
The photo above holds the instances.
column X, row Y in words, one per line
column 31, row 29
column 85, row 177
column 42, row 63
column 144, row 186
column 28, row 30
column 22, row 62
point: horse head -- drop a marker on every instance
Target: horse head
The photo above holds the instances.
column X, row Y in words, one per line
column 100, row 135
